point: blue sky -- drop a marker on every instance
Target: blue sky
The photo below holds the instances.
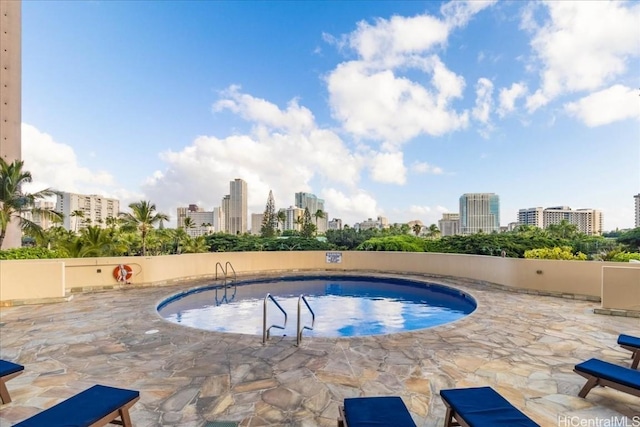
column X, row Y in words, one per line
column 392, row 108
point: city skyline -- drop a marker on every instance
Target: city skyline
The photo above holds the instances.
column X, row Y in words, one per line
column 379, row 108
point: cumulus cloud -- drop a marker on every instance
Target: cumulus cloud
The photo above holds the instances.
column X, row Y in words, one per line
column 508, row 97
column 484, row 104
column 582, row 45
column 284, row 151
column 55, row 165
column 606, row 106
column 424, row 167
column 376, row 96
column 388, row 168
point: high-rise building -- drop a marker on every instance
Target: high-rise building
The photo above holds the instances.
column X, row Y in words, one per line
column 587, row 221
column 238, row 216
column 256, row 223
column 479, row 212
column 80, row 210
column 335, row 224
column 204, row 222
column 637, row 198
column 11, row 97
column 449, row 225
column 531, row 216
column 292, row 214
column 184, row 212
column 314, row 204
column 226, row 205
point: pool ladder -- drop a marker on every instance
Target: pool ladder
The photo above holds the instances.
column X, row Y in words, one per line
column 226, row 282
column 267, row 331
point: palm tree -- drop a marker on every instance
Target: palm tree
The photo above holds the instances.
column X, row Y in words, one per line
column 433, row 231
column 14, row 202
column 142, row 218
column 282, row 217
column 189, row 223
column 319, row 214
column 76, row 214
column 417, row 228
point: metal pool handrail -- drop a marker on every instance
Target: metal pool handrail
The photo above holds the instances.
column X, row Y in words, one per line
column 226, row 285
column 313, row 319
column 265, row 330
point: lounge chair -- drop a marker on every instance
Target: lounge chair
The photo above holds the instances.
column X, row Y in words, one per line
column 480, row 407
column 8, row 370
column 374, row 411
column 605, row 374
column 97, row 406
column 632, row 344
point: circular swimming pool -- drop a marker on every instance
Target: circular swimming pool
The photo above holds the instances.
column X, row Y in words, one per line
column 344, row 306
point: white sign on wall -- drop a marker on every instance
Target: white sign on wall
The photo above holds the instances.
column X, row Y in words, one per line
column 334, row 257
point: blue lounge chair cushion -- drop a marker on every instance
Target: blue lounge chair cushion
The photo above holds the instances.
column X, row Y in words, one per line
column 83, row 409
column 377, row 411
column 629, row 341
column 8, row 368
column 483, row 406
column 609, row 371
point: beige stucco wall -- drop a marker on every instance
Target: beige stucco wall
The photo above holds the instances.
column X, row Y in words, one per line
column 23, row 280
column 621, row 288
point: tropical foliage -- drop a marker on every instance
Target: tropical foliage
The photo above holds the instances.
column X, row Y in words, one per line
column 15, row 203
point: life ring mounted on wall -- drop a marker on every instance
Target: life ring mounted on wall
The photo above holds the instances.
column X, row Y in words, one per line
column 123, row 273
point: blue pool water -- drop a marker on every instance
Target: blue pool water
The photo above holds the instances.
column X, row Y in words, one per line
column 345, row 306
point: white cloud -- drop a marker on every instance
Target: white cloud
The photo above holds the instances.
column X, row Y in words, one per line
column 284, row 152
column 351, row 208
column 388, row 168
column 459, row 13
column 424, row 167
column 508, row 97
column 377, row 95
column 484, row 104
column 606, row 106
column 54, row 165
column 583, row 46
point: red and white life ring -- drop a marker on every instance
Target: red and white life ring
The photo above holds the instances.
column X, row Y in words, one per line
column 123, row 273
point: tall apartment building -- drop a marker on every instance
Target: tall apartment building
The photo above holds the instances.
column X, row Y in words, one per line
column 380, row 223
column 204, row 222
column 587, row 221
column 95, row 210
column 449, row 225
column 292, row 214
column 184, row 212
column 237, row 218
column 335, row 224
column 11, row 96
column 44, row 222
column 479, row 212
column 637, row 199
column 256, row 223
column 314, row 204
column 531, row 216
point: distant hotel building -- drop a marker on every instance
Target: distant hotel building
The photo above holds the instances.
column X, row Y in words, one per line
column 292, row 214
column 256, row 223
column 314, row 204
column 479, row 212
column 94, row 210
column 587, row 221
column 205, row 222
column 234, row 206
column 449, row 225
column 380, row 223
column 637, row 198
column 335, row 224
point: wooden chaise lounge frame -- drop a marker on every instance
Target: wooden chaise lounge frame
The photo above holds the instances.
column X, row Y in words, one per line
column 597, row 380
column 12, row 371
column 77, row 410
column 635, row 350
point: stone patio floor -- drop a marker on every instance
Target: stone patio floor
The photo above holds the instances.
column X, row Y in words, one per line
column 524, row 346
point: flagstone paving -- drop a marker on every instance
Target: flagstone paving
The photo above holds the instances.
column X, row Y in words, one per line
column 525, row 346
